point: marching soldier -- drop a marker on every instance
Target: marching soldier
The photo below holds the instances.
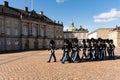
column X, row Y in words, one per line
column 75, row 51
column 93, row 49
column 84, row 47
column 112, row 47
column 108, row 48
column 66, row 50
column 89, row 48
column 52, row 51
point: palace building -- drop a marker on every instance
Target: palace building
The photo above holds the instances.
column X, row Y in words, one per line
column 27, row 30
column 107, row 33
column 72, row 32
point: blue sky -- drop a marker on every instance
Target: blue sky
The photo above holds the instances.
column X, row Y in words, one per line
column 91, row 14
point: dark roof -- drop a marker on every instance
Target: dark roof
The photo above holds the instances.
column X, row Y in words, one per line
column 32, row 15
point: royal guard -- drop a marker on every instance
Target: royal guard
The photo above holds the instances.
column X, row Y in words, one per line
column 52, row 50
column 75, row 51
column 66, row 50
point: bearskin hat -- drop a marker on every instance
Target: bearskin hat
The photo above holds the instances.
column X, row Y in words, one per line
column 52, row 42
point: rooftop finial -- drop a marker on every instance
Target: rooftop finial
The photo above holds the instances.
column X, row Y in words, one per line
column 73, row 24
column 6, row 3
column 26, row 9
column 41, row 13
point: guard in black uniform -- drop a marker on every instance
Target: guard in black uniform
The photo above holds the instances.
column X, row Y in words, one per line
column 75, row 51
column 52, row 51
column 66, row 50
column 112, row 47
column 89, row 48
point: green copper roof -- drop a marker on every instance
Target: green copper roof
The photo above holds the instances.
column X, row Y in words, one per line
column 72, row 27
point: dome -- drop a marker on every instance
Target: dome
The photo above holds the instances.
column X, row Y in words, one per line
column 72, row 27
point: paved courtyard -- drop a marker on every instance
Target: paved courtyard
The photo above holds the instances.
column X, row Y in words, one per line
column 32, row 65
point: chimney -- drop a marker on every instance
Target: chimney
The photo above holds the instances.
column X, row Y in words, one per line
column 41, row 12
column 80, row 26
column 54, row 21
column 58, row 22
column 26, row 9
column 5, row 3
column 116, row 26
column 62, row 23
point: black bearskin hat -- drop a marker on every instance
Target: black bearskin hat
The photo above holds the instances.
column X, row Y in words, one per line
column 52, row 42
column 66, row 41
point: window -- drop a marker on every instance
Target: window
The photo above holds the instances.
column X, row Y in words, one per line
column 56, row 43
column 8, row 42
column 8, row 31
column 34, row 31
column 75, row 35
column 70, row 35
column 16, row 42
column 61, row 42
column 16, row 22
column 60, row 36
column 25, row 30
column 81, row 35
column 84, row 35
column 42, row 32
column 65, row 36
column 16, row 32
column 7, row 21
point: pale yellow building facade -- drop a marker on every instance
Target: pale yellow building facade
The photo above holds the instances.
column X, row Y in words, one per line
column 73, row 32
column 26, row 30
column 107, row 33
column 115, row 35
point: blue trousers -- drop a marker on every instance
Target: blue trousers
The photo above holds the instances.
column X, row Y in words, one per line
column 109, row 53
column 112, row 53
column 102, row 52
column 65, row 56
column 93, row 54
column 75, row 56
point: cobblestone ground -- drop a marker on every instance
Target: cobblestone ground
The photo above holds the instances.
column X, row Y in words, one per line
column 32, row 65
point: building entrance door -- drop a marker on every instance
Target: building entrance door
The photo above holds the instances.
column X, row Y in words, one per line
column 26, row 44
column 36, row 44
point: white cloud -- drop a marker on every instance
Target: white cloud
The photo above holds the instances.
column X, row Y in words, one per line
column 112, row 15
column 60, row 1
